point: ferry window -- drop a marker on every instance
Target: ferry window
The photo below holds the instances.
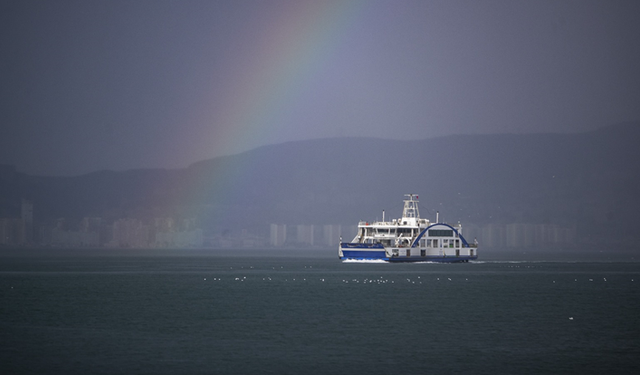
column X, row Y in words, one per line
column 423, row 253
column 457, row 243
column 408, row 252
column 435, row 243
column 440, row 233
column 457, row 252
column 422, row 242
column 429, row 243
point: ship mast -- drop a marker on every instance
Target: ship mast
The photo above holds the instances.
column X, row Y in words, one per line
column 410, row 210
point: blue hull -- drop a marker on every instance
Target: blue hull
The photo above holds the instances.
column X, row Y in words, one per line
column 370, row 254
column 450, row 259
column 364, row 254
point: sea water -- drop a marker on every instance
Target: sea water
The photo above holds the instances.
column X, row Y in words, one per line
column 221, row 312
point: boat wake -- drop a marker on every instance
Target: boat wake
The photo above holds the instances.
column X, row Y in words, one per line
column 504, row 261
column 364, row 261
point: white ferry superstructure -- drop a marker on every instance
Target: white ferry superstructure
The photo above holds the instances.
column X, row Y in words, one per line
column 409, row 239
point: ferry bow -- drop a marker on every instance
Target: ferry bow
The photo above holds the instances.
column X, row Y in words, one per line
column 409, row 239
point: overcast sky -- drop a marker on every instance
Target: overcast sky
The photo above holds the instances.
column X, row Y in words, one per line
column 91, row 85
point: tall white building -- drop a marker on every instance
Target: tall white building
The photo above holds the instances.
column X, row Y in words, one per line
column 278, row 234
column 27, row 220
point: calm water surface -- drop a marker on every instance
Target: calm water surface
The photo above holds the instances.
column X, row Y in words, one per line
column 215, row 312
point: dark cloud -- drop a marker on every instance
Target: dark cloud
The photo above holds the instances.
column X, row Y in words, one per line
column 90, row 85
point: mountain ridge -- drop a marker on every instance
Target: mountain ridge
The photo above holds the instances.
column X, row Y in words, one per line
column 588, row 180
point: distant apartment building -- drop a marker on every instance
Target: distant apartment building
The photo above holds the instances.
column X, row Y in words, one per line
column 18, row 231
column 26, row 214
column 278, row 235
column 168, row 232
column 84, row 236
column 130, row 233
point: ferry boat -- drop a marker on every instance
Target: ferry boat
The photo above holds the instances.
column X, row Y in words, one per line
column 409, row 239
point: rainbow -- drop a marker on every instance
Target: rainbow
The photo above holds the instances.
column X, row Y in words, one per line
column 291, row 56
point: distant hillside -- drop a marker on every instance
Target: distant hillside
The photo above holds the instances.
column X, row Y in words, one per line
column 589, row 180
